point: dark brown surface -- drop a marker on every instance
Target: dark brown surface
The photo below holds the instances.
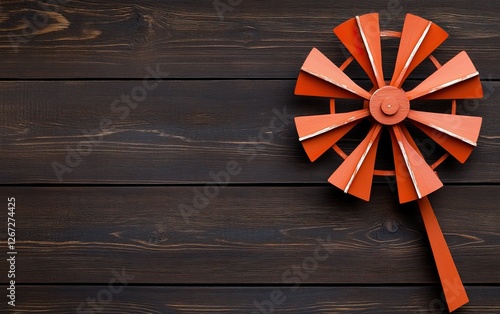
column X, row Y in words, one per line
column 224, row 79
column 313, row 300
column 257, row 39
column 247, row 235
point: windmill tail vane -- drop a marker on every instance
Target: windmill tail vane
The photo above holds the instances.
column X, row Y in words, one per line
column 388, row 106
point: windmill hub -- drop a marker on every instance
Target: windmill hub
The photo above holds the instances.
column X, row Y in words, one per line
column 389, row 105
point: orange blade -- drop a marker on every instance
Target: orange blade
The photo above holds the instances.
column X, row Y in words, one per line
column 421, row 176
column 458, row 149
column 349, row 35
column 320, row 132
column 355, row 174
column 318, row 65
column 311, row 126
column 318, row 145
column 470, row 88
column 406, row 190
column 457, row 70
column 310, row 85
column 418, row 40
column 409, row 138
column 453, row 288
column 361, row 36
column 463, row 128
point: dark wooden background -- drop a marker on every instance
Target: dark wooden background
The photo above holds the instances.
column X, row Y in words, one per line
column 224, row 79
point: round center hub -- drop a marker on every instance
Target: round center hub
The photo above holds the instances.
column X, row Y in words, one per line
column 389, row 105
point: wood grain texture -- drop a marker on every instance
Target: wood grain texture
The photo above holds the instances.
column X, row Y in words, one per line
column 118, row 39
column 67, row 70
column 247, row 235
column 313, row 300
column 183, row 130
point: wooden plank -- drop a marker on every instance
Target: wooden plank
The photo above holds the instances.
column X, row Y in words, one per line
column 166, row 300
column 246, row 235
column 183, row 130
column 89, row 39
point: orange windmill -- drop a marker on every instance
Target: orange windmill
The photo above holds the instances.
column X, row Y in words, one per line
column 388, row 105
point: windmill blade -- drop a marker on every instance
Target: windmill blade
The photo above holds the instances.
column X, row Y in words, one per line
column 348, row 33
column 470, row 88
column 448, row 77
column 463, row 128
column 310, row 85
column 409, row 138
column 317, row 146
column 458, row 149
column 419, row 39
column 309, row 127
column 355, row 174
column 414, row 177
column 318, row 65
column 406, row 190
column 361, row 36
column 320, row 132
column 369, row 28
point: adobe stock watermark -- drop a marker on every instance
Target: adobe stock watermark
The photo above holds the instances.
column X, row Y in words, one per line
column 223, row 6
column 121, row 106
column 439, row 305
column 105, row 296
column 295, row 275
column 40, row 19
column 220, row 179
